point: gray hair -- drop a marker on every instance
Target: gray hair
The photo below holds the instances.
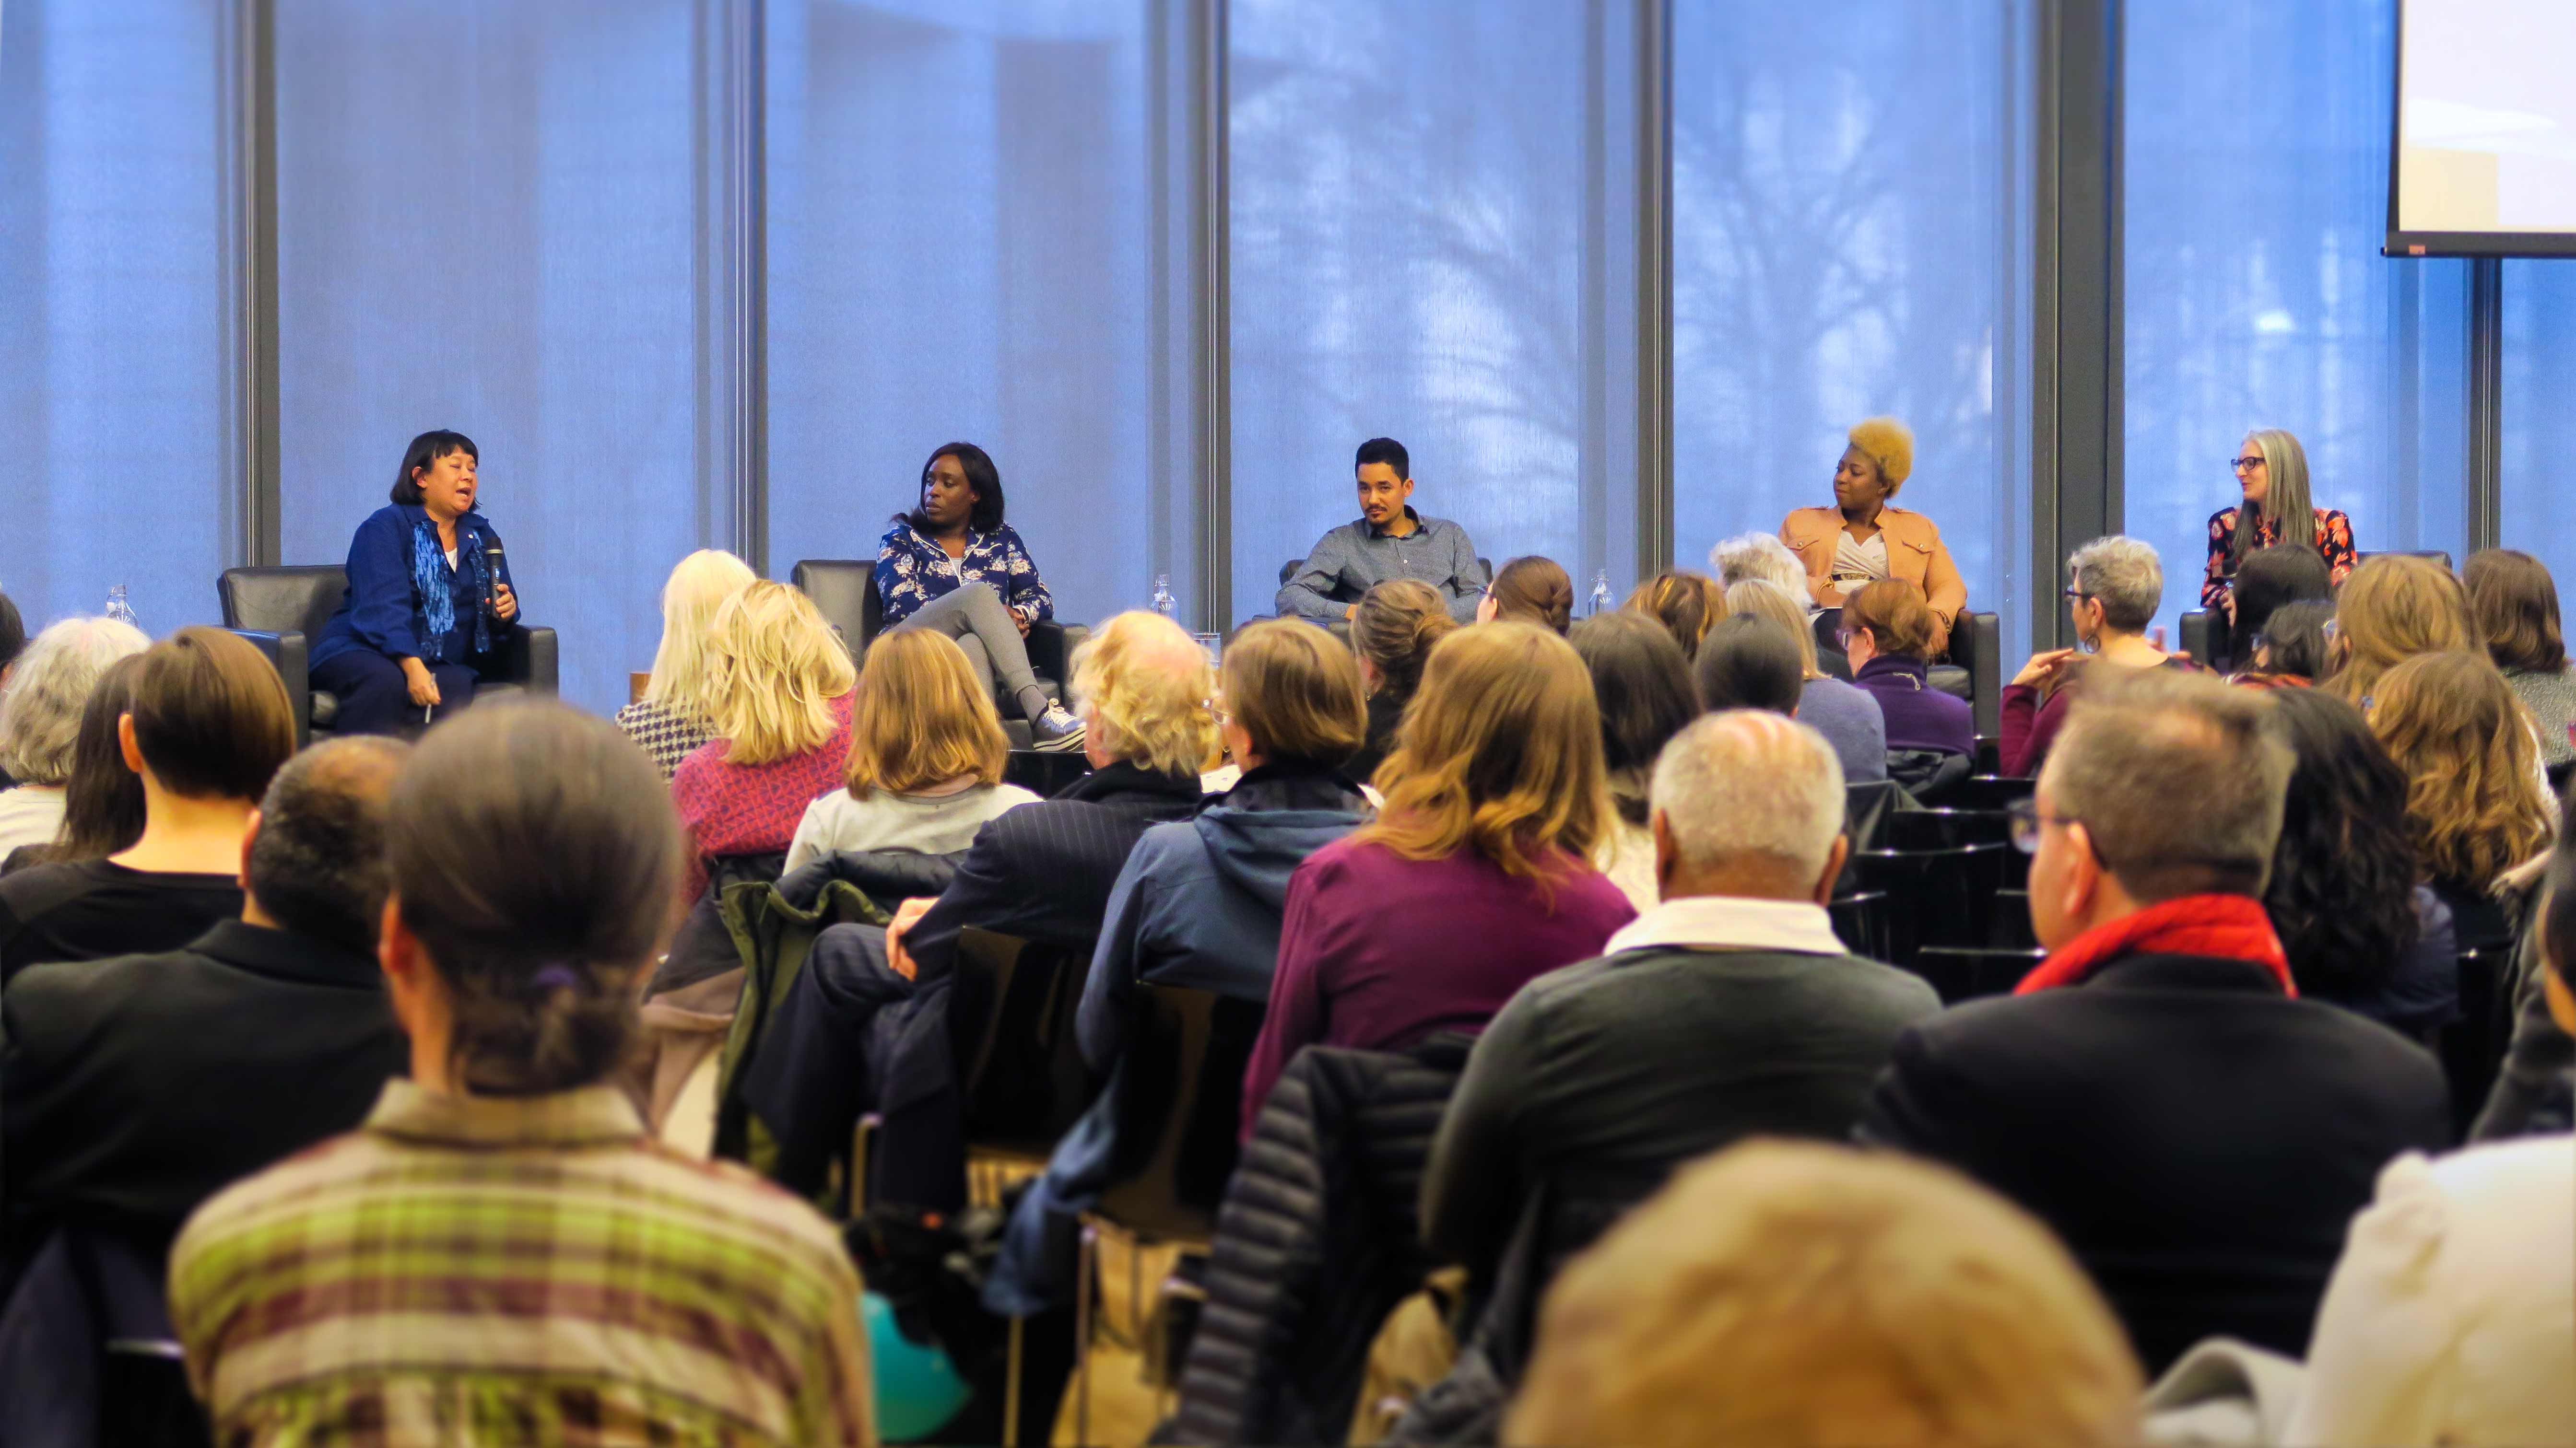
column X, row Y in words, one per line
column 2124, row 576
column 1758, row 556
column 41, row 713
column 2178, row 778
column 317, row 862
column 1750, row 782
column 1783, row 605
column 2285, row 495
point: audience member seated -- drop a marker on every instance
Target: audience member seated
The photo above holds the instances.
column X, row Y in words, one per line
column 133, row 1089
column 207, row 728
column 1749, row 556
column 13, row 640
column 1749, row 662
column 925, row 762
column 1393, row 628
column 1887, row 635
column 2392, row 608
column 783, row 694
column 2514, row 603
column 2475, row 802
column 2114, row 586
column 1728, row 1011
column 1686, row 603
column 1789, row 1293
column 1863, row 536
column 103, row 800
column 501, row 1254
column 1474, row 878
column 40, row 714
column 2358, row 924
column 1198, row 905
column 1388, row 540
column 1642, row 684
column 1529, row 590
column 2271, row 577
column 1848, row 718
column 678, row 710
column 2452, row 1316
column 2155, row 1091
column 2293, row 651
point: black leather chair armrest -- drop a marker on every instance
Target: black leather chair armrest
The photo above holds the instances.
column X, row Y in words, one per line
column 529, row 660
column 1985, row 635
column 286, row 653
column 1050, row 652
column 2199, row 630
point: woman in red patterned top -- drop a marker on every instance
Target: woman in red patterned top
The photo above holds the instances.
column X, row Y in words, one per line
column 783, row 692
column 2273, row 470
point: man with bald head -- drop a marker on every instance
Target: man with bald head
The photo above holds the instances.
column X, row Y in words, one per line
column 132, row 1088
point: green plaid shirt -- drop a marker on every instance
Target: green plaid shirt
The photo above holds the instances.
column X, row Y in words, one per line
column 488, row 1270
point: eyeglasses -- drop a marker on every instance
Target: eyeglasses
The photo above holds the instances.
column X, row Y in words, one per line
column 1844, row 636
column 2026, row 822
column 2245, row 464
column 2331, row 629
column 2076, row 593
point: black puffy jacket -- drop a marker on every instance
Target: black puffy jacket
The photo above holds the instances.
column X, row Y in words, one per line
column 1319, row 1238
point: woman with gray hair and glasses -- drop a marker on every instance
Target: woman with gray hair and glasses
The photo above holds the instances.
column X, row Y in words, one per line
column 2114, row 586
column 40, row 718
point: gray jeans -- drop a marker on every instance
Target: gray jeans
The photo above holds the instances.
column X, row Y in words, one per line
column 977, row 619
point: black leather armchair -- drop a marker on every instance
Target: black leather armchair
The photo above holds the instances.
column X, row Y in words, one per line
column 283, row 611
column 844, row 591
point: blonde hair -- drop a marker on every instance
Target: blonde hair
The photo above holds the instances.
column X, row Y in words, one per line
column 1296, row 691
column 921, row 718
column 1889, row 445
column 779, row 667
column 1500, row 753
column 2473, row 800
column 1143, row 686
column 1802, row 1293
column 685, row 663
column 1762, row 598
column 2389, row 610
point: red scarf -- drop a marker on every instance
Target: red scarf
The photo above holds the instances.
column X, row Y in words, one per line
column 2230, row 927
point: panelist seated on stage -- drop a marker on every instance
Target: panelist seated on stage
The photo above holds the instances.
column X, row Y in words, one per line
column 1389, row 540
column 2272, row 470
column 952, row 565
column 429, row 607
column 1865, row 537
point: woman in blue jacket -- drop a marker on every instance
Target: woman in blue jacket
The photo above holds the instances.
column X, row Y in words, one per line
column 429, row 607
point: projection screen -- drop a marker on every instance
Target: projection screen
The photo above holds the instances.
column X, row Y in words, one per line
column 2482, row 156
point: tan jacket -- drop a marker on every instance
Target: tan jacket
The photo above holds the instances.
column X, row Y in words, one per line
column 1914, row 554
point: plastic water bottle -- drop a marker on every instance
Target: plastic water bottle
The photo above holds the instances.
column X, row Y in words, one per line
column 1164, row 603
column 1601, row 592
column 118, row 609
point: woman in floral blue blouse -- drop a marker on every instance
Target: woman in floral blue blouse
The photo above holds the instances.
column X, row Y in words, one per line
column 953, row 565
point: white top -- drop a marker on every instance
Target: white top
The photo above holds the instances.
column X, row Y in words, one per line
column 1860, row 560
column 927, row 824
column 451, row 560
column 1731, row 922
column 2451, row 1317
column 31, row 814
column 1627, row 855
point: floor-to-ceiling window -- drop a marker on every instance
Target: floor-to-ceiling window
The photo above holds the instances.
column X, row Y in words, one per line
column 2539, row 513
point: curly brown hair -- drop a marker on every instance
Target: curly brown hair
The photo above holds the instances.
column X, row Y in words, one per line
column 2473, row 795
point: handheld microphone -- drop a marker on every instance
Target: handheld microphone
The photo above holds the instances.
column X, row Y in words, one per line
column 492, row 575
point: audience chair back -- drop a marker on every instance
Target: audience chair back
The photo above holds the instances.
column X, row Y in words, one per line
column 1011, row 1020
column 1182, row 1101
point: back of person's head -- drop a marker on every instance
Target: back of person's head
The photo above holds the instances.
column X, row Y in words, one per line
column 2135, row 746
column 1383, row 450
column 1889, row 445
column 2390, row 609
column 1499, row 753
column 317, row 861
column 2294, row 643
column 1797, row 1294
column 2343, row 876
column 1749, row 662
column 1641, row 683
column 103, row 807
column 2473, row 798
column 1747, row 785
column 2284, row 573
column 1899, row 619
column 1782, row 605
column 1142, row 685
column 13, row 635
column 921, row 718
column 1296, row 691
column 1686, row 603
column 779, row 667
column 211, row 717
column 2515, row 604
column 1534, row 590
column 1394, row 627
column 685, row 663
column 1748, row 556
column 535, row 854
column 40, row 714
column 2124, row 576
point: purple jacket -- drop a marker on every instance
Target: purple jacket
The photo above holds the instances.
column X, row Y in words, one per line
column 1918, row 715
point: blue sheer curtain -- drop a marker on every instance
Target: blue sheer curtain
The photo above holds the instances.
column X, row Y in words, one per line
column 487, row 221
column 1850, row 202
column 963, row 244
column 112, row 339
column 2257, row 157
column 2539, row 391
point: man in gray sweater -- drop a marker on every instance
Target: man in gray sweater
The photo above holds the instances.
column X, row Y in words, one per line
column 1389, row 540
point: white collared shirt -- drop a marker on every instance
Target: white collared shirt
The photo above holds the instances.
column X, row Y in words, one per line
column 1731, row 922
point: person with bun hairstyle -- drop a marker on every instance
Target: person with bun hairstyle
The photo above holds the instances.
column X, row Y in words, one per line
column 1688, row 604
column 1393, row 628
column 1530, row 590
column 1864, row 536
column 501, row 1253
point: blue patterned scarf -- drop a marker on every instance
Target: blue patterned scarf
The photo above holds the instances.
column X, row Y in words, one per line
column 429, row 575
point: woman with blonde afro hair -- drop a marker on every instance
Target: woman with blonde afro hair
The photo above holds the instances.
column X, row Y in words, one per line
column 1864, row 537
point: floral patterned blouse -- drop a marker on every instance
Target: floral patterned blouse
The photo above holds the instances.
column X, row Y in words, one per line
column 2333, row 540
column 913, row 570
